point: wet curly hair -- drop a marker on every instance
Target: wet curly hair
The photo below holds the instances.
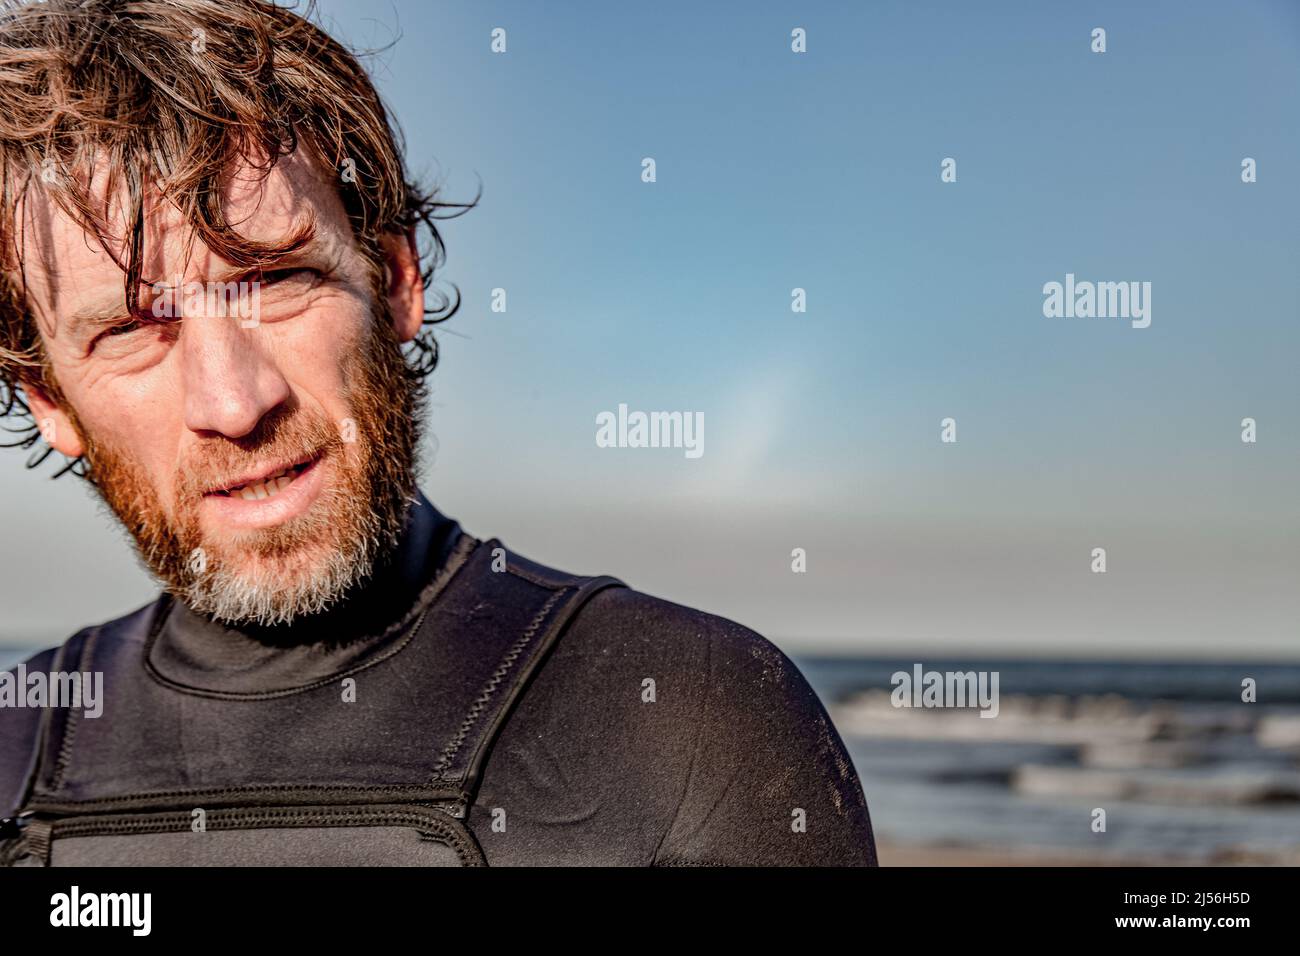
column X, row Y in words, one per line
column 165, row 95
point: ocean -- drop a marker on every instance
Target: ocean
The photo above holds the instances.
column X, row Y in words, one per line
column 1184, row 770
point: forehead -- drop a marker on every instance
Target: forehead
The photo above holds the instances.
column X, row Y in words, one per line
column 68, row 272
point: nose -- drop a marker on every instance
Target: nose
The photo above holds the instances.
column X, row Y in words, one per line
column 230, row 380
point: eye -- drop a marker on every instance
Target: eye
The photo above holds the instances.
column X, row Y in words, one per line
column 280, row 275
column 125, row 328
column 128, row 326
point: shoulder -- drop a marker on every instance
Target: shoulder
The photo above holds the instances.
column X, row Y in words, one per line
column 20, row 723
column 723, row 669
column 741, row 668
column 617, row 623
column 766, row 778
column 616, row 628
column 746, row 695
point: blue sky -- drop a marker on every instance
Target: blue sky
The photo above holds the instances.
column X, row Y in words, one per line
column 821, row 171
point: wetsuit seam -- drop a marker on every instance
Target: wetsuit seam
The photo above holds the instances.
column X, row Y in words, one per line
column 678, row 861
column 446, row 832
column 493, row 684
column 72, row 723
column 36, row 775
column 242, row 789
column 535, row 579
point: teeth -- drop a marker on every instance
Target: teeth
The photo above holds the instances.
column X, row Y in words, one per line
column 267, row 488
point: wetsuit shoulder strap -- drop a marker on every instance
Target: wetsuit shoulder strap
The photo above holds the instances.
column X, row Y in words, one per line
column 493, row 632
column 50, row 739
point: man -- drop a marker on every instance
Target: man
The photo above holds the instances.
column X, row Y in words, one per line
column 210, row 269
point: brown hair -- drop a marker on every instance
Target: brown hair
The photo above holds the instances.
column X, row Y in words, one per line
column 168, row 93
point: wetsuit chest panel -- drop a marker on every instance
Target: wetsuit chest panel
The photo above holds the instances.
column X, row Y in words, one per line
column 325, row 775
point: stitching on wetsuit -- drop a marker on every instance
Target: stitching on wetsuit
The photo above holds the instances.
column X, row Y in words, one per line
column 350, row 789
column 265, row 787
column 71, row 724
column 446, row 832
column 685, row 863
column 40, row 770
column 534, row 579
column 490, row 688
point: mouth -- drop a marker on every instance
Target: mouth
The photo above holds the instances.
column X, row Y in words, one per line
column 265, row 483
column 268, row 496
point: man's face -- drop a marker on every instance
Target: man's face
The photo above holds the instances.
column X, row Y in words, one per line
column 261, row 468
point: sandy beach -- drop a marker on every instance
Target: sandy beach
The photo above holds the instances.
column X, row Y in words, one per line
column 903, row 854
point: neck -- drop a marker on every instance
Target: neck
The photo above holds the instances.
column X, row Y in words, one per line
column 195, row 653
column 382, row 601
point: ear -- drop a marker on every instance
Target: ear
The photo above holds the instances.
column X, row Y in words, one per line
column 55, row 425
column 403, row 285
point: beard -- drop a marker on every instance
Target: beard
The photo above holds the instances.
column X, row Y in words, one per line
column 305, row 565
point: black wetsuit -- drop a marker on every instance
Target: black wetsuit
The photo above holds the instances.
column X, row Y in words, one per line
column 646, row 734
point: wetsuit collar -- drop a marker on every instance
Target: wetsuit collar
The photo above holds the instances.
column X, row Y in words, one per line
column 191, row 650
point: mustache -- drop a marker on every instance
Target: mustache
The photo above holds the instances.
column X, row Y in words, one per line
column 282, row 439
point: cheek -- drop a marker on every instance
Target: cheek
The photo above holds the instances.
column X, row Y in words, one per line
column 140, row 419
column 319, row 352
